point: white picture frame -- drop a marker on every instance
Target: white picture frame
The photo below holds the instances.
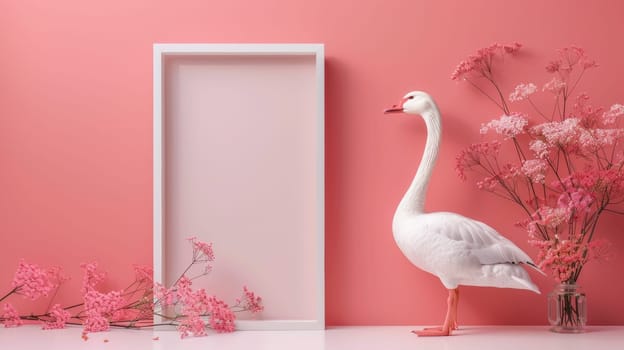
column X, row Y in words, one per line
column 201, row 63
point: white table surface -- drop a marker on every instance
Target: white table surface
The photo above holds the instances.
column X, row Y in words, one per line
column 360, row 338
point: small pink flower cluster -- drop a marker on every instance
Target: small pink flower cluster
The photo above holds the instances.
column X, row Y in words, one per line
column 91, row 277
column 193, row 305
column 589, row 116
column 558, row 134
column 565, row 257
column 10, row 317
column 481, row 62
column 535, row 169
column 202, row 252
column 555, row 86
column 568, row 169
column 615, row 111
column 100, row 308
column 143, row 273
column 58, row 318
column 509, row 126
column 33, row 282
column 163, row 295
column 568, row 59
column 202, row 249
column 221, row 316
column 472, row 157
column 522, row 92
column 547, row 217
column 250, row 301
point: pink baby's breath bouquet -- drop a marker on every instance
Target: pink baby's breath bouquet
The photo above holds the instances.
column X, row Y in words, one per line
column 557, row 157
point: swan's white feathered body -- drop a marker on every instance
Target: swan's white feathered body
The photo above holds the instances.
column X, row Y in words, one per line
column 462, row 251
column 457, row 249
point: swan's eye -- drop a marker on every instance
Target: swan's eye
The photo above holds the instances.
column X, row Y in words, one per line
column 410, row 98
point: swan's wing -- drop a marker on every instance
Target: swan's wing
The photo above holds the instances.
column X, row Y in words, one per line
column 482, row 241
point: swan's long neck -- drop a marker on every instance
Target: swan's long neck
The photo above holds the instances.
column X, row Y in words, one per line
column 413, row 202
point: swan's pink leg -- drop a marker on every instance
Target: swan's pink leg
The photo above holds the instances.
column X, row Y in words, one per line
column 450, row 322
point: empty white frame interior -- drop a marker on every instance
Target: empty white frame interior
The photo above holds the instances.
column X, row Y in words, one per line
column 239, row 162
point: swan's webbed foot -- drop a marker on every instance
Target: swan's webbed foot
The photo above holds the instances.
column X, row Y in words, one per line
column 450, row 322
column 433, row 332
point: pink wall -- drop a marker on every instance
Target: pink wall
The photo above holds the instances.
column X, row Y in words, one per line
column 75, row 133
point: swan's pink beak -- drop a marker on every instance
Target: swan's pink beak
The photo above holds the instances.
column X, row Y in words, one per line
column 394, row 109
column 398, row 108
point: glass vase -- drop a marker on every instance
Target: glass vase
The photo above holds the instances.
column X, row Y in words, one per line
column 567, row 308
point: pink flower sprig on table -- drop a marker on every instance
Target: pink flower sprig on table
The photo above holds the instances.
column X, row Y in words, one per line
column 196, row 310
column 33, row 282
column 143, row 273
column 193, row 306
column 567, row 160
column 58, row 318
column 91, row 276
column 192, row 311
column 101, row 309
column 10, row 317
column 221, row 315
column 250, row 301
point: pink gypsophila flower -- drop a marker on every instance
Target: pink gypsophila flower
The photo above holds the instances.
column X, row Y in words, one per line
column 577, row 201
column 103, row 303
column 590, row 116
column 535, row 169
column 95, row 323
column 563, row 257
column 202, row 252
column 143, row 273
column 99, row 307
column 615, row 111
column 250, row 301
column 551, row 217
column 471, row 156
column 221, row 317
column 507, row 125
column 59, row 318
column 192, row 325
column 555, row 85
column 10, row 316
column 488, row 183
column 164, row 296
column 558, row 133
column 594, row 140
column 197, row 303
column 569, row 57
column 184, row 291
column 597, row 181
column 91, row 277
column 481, row 62
column 32, row 282
column 540, row 148
column 522, row 92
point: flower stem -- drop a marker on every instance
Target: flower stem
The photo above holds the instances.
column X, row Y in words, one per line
column 9, row 293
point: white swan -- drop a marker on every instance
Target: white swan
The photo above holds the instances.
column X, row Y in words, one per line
column 457, row 249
